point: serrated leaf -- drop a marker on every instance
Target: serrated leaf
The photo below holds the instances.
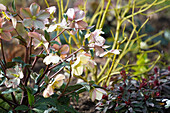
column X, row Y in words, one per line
column 22, row 107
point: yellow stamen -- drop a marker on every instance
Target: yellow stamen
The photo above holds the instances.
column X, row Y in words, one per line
column 5, row 16
column 34, row 17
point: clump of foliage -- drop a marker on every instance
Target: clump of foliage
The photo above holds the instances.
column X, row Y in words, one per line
column 128, row 95
column 69, row 48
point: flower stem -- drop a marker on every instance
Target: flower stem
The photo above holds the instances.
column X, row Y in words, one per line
column 2, row 51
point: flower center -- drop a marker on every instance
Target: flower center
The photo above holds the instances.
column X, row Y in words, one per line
column 5, row 16
column 1, row 30
column 34, row 17
column 15, row 75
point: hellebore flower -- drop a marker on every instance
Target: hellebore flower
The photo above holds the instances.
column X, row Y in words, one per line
column 57, row 83
column 96, row 41
column 7, row 15
column 51, row 58
column 51, row 9
column 14, row 75
column 74, row 21
column 5, row 29
column 97, row 93
column 38, row 40
column 62, row 50
column 83, row 60
column 34, row 17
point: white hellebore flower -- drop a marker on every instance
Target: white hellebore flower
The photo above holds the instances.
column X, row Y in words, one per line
column 167, row 103
column 14, row 76
column 51, row 58
column 97, row 93
column 77, row 67
column 57, row 83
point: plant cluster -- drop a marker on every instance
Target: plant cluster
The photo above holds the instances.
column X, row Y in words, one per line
column 68, row 48
column 125, row 94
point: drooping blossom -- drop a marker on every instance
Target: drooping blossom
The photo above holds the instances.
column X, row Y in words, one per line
column 38, row 40
column 83, row 60
column 57, row 83
column 14, row 76
column 2, row 7
column 7, row 15
column 97, row 93
column 5, row 29
column 51, row 58
column 62, row 50
column 96, row 41
column 34, row 17
column 74, row 21
column 51, row 9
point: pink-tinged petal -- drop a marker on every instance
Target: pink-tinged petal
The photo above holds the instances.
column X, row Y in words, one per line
column 7, row 27
column 14, row 22
column 93, row 95
column 97, row 32
column 8, row 83
column 70, row 13
column 35, row 35
column 42, row 15
column 56, row 46
column 28, row 22
column 34, row 8
column 25, row 12
column 59, row 77
column 6, row 36
column 82, row 25
column 64, row 49
column 79, row 15
column 99, row 41
column 98, row 50
column 38, row 24
column 1, row 21
column 48, row 91
column 51, row 9
column 2, row 7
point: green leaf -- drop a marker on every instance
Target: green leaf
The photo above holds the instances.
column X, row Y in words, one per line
column 30, row 96
column 10, row 90
column 47, row 36
column 65, row 16
column 17, row 59
column 13, row 6
column 22, row 107
column 92, row 53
